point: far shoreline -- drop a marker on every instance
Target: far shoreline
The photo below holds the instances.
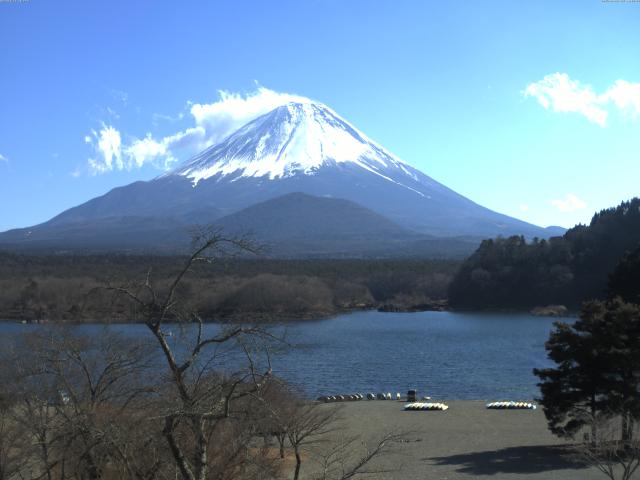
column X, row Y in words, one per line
column 262, row 318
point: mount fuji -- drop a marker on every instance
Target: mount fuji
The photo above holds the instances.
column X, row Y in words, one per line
column 296, row 151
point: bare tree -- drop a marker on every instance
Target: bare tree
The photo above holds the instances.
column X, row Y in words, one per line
column 351, row 457
column 44, row 452
column 14, row 442
column 202, row 400
column 309, row 425
column 315, row 430
column 100, row 381
column 611, row 447
column 78, row 398
column 25, row 419
column 278, row 406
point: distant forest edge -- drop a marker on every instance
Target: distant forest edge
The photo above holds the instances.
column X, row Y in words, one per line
column 511, row 273
column 587, row 262
column 67, row 288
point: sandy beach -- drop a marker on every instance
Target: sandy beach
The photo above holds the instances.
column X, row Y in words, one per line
column 466, row 441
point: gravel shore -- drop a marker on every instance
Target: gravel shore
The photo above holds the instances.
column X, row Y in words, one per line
column 466, row 441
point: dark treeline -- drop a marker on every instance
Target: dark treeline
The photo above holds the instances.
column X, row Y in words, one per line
column 68, row 287
column 514, row 273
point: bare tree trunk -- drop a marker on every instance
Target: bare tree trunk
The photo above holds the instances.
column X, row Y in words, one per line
column 625, row 427
column 44, row 450
column 201, row 449
column 296, row 473
column 178, row 456
column 93, row 471
column 281, row 439
column 594, row 424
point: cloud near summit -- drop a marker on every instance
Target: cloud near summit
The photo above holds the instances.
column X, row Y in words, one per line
column 212, row 122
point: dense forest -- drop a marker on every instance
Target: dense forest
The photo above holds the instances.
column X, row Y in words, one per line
column 511, row 273
column 503, row 273
column 71, row 287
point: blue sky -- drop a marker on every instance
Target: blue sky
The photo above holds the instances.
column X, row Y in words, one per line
column 529, row 108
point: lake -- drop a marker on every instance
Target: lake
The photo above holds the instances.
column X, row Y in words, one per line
column 442, row 354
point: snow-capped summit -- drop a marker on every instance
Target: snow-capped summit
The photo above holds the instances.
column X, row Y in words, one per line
column 293, row 139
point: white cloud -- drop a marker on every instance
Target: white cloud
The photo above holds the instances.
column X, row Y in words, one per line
column 212, row 122
column 75, row 173
column 148, row 150
column 107, row 145
column 625, row 96
column 523, row 207
column 570, row 203
column 192, row 139
column 560, row 93
column 221, row 118
column 3, row 158
column 215, row 121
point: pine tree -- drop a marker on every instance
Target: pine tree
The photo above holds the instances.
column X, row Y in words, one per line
column 598, row 369
column 625, row 279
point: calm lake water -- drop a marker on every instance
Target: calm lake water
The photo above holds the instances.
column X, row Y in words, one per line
column 442, row 354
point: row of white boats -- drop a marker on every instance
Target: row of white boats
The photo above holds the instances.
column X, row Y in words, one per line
column 426, row 406
column 357, row 396
column 502, row 405
column 511, row 405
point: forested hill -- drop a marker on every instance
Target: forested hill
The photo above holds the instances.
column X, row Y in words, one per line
column 511, row 273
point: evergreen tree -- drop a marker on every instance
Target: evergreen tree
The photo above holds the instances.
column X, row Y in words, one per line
column 598, row 369
column 625, row 279
column 513, row 273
